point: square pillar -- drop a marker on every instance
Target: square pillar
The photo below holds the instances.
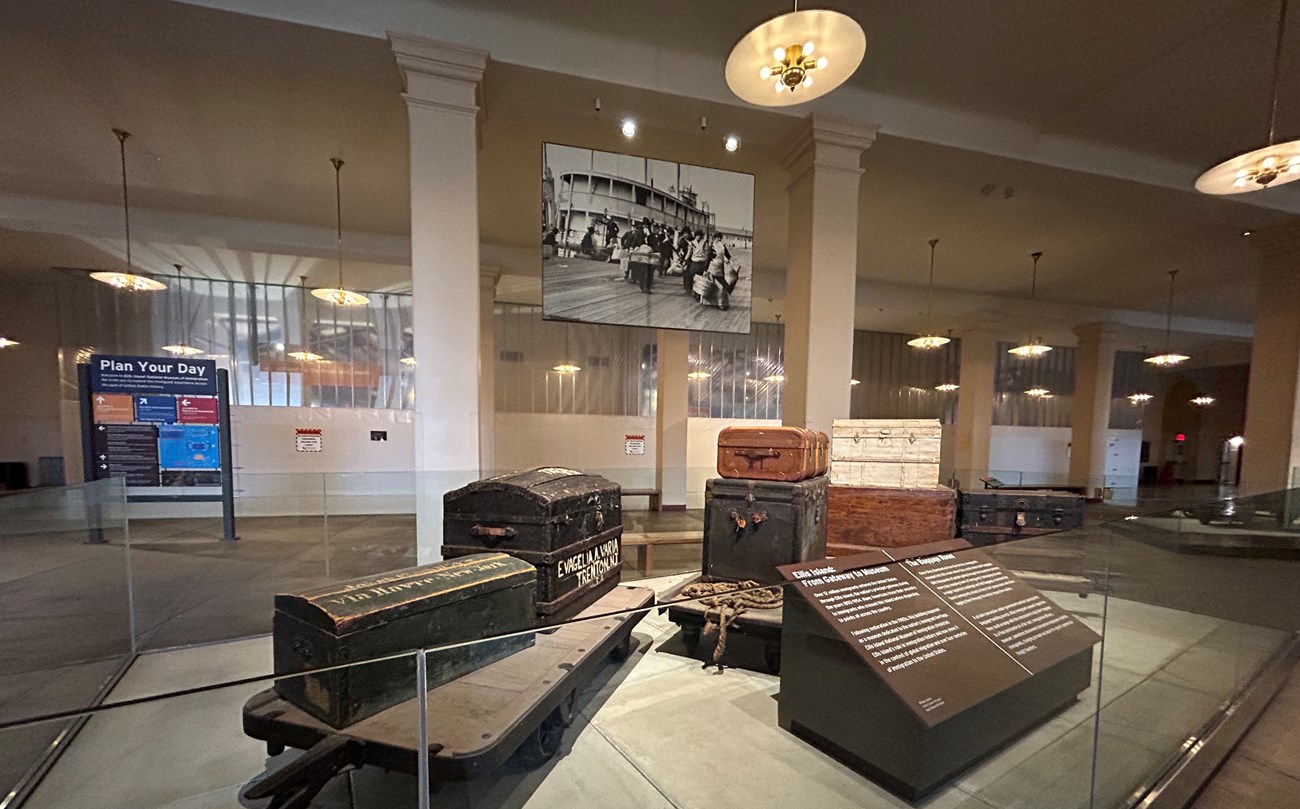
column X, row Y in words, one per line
column 975, row 396
column 671, row 406
column 489, row 277
column 1093, row 376
column 441, row 83
column 1272, row 437
column 824, row 162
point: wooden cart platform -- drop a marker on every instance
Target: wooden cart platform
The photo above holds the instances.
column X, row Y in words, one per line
column 522, row 702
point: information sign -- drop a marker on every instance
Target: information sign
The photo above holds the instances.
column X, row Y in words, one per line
column 944, row 626
column 633, row 444
column 136, row 404
column 155, row 409
column 113, row 408
column 196, row 409
column 307, row 439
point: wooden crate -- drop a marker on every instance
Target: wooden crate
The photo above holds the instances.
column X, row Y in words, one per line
column 897, row 453
column 863, row 517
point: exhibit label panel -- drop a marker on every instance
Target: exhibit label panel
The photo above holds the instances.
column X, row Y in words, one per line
column 154, row 420
column 943, row 625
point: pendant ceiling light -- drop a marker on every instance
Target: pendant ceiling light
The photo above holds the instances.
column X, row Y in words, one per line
column 339, row 296
column 795, row 57
column 183, row 348
column 1140, row 398
column 1270, row 165
column 1033, row 347
column 1170, row 357
column 5, row 342
column 304, row 352
column 1203, row 401
column 929, row 339
column 568, row 366
column 128, row 280
column 1039, row 393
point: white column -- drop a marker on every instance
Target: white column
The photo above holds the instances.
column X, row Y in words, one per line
column 1093, row 375
column 489, row 277
column 824, row 162
column 975, row 396
column 1272, row 448
column 441, row 83
column 674, row 364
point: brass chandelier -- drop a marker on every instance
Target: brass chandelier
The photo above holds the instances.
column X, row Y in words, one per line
column 1270, row 165
column 787, row 51
column 929, row 339
column 339, row 295
column 1170, row 357
column 1033, row 347
column 129, row 280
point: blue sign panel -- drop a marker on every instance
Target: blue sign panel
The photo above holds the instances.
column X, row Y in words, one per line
column 156, row 409
column 145, row 375
column 188, row 446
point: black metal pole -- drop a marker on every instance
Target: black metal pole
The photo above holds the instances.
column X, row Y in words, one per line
column 94, row 531
column 227, row 457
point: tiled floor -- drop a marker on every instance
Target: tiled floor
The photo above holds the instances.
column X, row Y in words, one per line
column 1264, row 770
column 662, row 731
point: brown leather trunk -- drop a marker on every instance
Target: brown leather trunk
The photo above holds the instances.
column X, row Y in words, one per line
column 786, row 454
column 863, row 517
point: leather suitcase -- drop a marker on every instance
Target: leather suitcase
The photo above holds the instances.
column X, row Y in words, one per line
column 751, row 526
column 1002, row 515
column 863, row 517
column 902, row 453
column 787, row 454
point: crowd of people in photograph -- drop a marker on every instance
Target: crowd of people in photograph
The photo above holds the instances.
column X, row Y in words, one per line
column 650, row 250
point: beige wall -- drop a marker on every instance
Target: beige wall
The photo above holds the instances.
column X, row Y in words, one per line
column 29, row 382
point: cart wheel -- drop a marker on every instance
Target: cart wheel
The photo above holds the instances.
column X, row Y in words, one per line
column 691, row 637
column 566, row 709
column 543, row 742
column 274, row 749
column 623, row 650
column 772, row 657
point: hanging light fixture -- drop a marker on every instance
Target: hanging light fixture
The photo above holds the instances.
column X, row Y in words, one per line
column 1039, row 392
column 409, row 361
column 183, row 348
column 5, row 342
column 947, row 387
column 303, row 353
column 128, row 280
column 698, row 375
column 1170, row 357
column 568, row 366
column 854, row 382
column 338, row 295
column 1140, row 398
column 929, row 339
column 1273, row 164
column 785, row 53
column 1203, row 401
column 1033, row 347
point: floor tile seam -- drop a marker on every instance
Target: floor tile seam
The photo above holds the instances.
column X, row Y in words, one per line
column 1245, row 754
column 43, row 571
column 625, row 755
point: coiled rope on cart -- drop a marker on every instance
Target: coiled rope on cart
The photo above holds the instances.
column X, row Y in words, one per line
column 730, row 600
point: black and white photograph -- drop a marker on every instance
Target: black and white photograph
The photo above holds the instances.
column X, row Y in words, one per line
column 633, row 241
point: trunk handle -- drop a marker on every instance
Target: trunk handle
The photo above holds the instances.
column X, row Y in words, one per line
column 752, row 455
column 494, row 533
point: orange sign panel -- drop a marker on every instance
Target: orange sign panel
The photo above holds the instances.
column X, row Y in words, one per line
column 113, row 408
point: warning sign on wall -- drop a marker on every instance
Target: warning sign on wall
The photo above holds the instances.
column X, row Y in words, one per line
column 634, row 444
column 307, row 439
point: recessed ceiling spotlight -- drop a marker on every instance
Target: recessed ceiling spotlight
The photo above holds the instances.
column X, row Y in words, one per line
column 732, row 143
column 629, row 128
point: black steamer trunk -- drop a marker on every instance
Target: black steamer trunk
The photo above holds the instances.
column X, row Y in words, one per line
column 448, row 602
column 751, row 526
column 1002, row 515
column 567, row 524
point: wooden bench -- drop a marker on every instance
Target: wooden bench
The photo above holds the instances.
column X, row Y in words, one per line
column 654, row 494
column 645, row 545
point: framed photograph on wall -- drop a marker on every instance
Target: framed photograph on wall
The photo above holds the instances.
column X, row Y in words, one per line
column 633, row 241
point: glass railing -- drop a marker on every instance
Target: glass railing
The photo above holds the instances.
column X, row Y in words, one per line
column 196, row 718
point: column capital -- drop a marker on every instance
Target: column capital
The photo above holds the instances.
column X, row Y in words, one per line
column 823, row 142
column 1098, row 332
column 439, row 74
column 1278, row 240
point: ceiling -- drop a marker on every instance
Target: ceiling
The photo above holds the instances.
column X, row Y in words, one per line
column 236, row 116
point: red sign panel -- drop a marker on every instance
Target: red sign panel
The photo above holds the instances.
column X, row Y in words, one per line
column 196, row 409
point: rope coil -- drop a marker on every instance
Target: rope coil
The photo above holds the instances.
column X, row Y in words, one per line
column 728, row 601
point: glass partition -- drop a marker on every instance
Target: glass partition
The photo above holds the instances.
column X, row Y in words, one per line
column 625, row 699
